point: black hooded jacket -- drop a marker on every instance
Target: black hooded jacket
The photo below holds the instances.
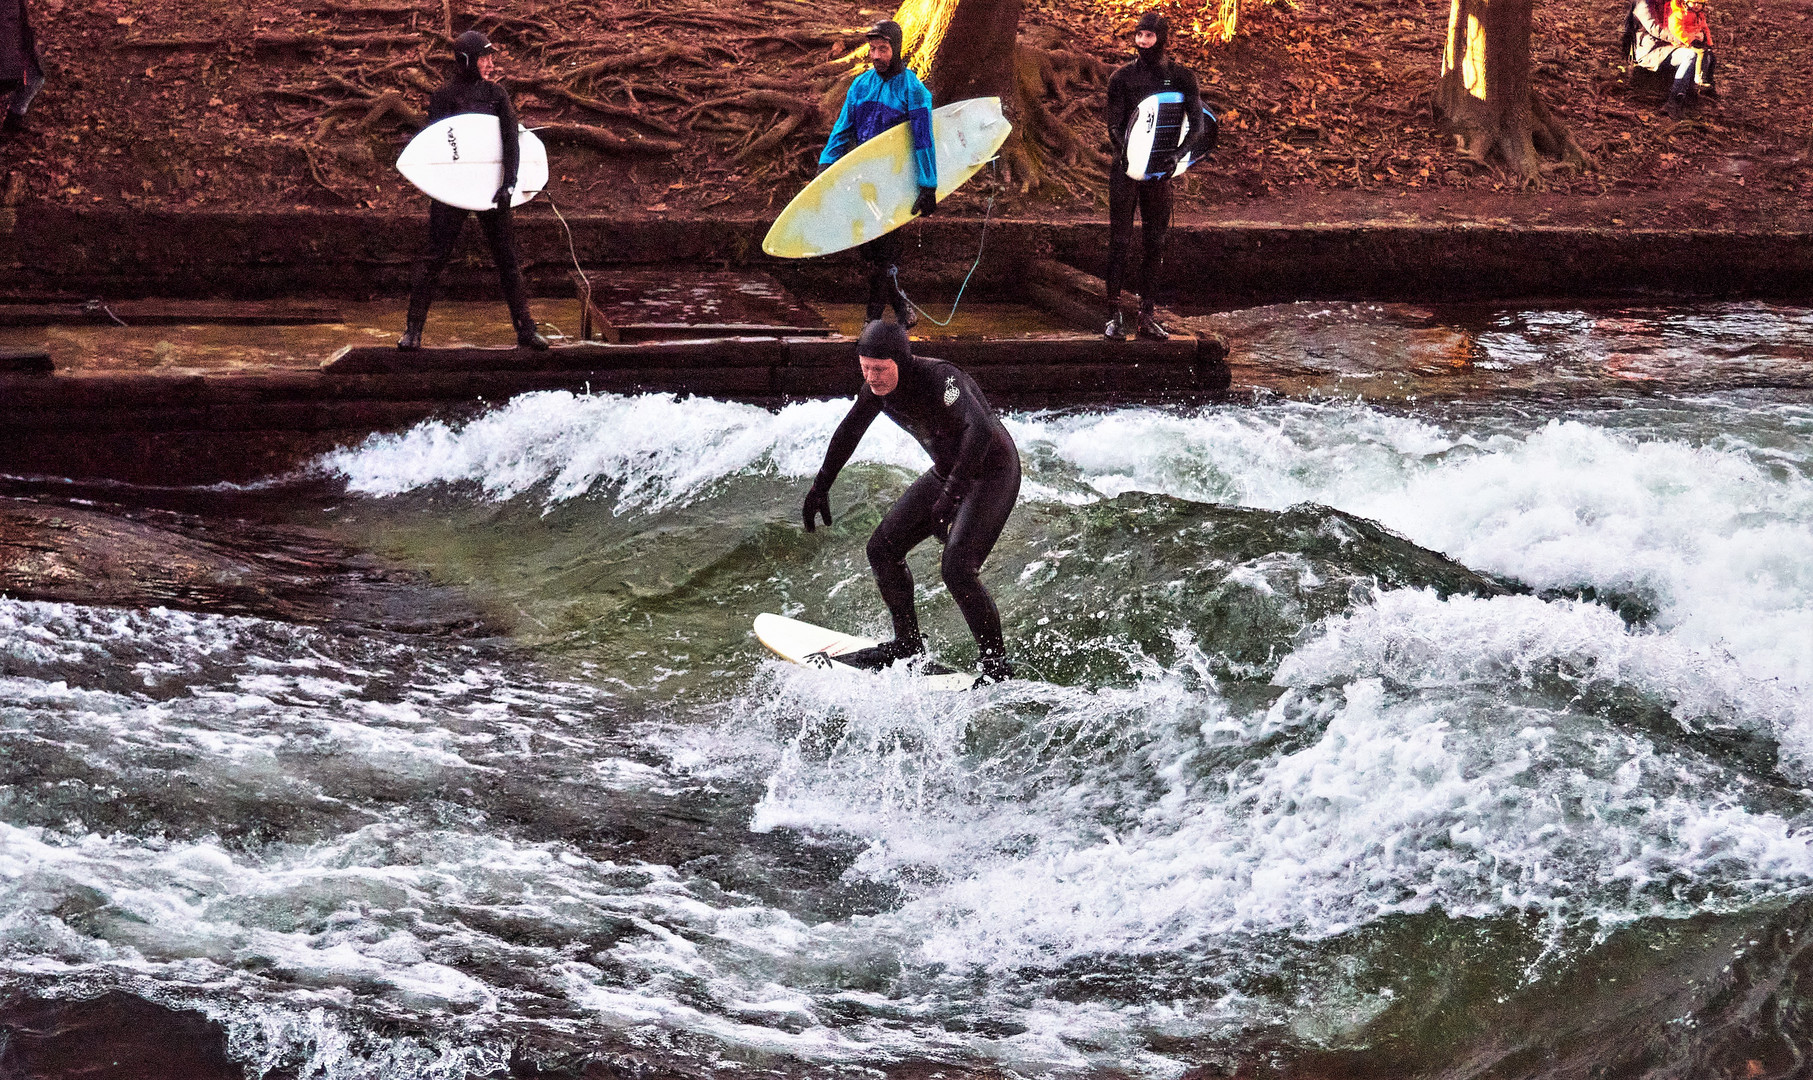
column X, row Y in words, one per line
column 466, row 92
column 1152, row 73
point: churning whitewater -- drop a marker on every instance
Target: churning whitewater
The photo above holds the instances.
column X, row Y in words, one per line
column 1305, row 688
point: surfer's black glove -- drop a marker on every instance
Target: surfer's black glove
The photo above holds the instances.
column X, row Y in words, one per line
column 927, row 201
column 501, row 200
column 818, row 503
column 822, row 166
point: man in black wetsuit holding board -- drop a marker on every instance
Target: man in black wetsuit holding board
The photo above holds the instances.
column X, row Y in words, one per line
column 1150, row 74
column 472, row 91
column 964, row 500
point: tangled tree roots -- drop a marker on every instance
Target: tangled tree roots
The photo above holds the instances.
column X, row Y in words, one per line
column 1046, row 146
column 660, row 99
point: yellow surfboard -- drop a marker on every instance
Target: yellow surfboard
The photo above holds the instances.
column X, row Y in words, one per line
column 870, row 190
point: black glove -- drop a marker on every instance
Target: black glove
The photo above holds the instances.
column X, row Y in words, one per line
column 944, row 511
column 818, row 502
column 927, row 201
column 501, row 200
column 822, row 166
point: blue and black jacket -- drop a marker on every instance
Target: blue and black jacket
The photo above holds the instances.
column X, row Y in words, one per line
column 876, row 103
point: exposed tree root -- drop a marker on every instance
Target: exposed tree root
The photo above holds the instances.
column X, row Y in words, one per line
column 605, row 108
column 342, row 7
column 1552, row 137
column 391, row 104
column 316, row 42
column 799, row 113
column 314, row 170
column 1045, row 145
column 701, row 20
column 600, row 139
column 1518, row 149
column 654, row 56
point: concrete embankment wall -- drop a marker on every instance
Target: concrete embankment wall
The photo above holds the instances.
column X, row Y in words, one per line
column 117, row 254
column 153, row 428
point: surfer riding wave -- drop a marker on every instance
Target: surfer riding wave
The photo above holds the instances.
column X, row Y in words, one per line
column 964, row 500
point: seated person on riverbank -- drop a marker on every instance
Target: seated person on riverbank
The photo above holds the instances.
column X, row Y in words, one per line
column 1651, row 44
column 472, row 91
column 880, row 98
column 1688, row 26
column 963, row 500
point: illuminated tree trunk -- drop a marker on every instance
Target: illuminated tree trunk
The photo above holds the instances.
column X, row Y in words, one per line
column 1484, row 97
column 971, row 48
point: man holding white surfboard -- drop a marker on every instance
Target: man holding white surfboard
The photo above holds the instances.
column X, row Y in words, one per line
column 881, row 97
column 471, row 90
column 964, row 500
column 1154, row 116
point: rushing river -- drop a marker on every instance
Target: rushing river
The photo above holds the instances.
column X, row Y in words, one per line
column 1467, row 734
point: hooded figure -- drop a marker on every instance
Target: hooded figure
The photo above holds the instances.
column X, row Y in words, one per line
column 964, row 500
column 1153, row 56
column 880, row 98
column 471, row 90
column 21, row 72
column 1151, row 73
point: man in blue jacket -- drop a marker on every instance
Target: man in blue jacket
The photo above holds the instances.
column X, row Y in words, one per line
column 881, row 97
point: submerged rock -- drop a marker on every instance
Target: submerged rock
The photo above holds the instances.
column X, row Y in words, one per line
column 148, row 558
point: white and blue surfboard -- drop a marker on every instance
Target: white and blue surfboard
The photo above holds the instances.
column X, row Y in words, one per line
column 1157, row 134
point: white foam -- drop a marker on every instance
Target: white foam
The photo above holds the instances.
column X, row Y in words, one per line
column 653, row 450
column 1098, row 828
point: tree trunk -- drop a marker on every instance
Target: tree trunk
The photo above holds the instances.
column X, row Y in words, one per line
column 1484, row 97
column 971, row 48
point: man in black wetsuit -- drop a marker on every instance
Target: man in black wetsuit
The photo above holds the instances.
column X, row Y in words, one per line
column 964, row 500
column 1150, row 74
column 472, row 91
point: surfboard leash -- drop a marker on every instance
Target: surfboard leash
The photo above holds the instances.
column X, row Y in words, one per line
column 987, row 214
column 571, row 250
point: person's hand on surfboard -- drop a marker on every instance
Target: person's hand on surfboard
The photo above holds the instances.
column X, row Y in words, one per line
column 501, row 200
column 926, row 202
column 818, row 503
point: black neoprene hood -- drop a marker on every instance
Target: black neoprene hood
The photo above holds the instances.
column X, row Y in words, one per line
column 1156, row 23
column 889, row 31
column 884, row 340
column 468, row 47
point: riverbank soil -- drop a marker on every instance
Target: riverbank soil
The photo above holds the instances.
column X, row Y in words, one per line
column 277, row 104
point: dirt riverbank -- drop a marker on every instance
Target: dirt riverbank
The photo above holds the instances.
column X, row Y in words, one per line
column 267, row 105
